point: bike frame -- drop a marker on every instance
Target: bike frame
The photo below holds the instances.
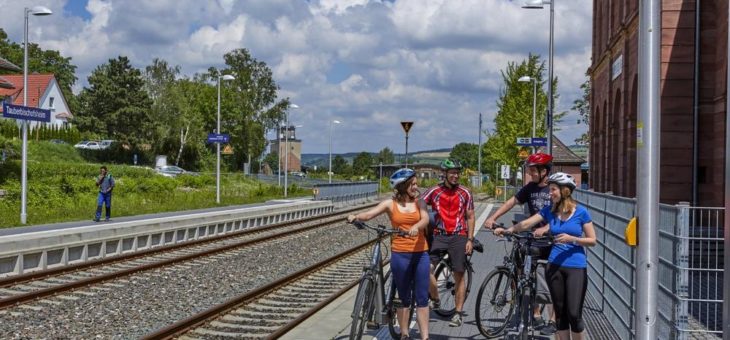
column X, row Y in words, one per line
column 374, row 272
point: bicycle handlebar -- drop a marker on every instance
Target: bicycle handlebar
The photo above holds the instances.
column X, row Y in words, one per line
column 380, row 229
column 526, row 236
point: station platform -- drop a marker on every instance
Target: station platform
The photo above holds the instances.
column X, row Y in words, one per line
column 333, row 321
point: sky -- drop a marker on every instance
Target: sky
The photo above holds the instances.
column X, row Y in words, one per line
column 369, row 64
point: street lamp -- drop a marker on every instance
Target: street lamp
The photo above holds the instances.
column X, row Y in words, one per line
column 330, row 169
column 286, row 148
column 39, row 11
column 525, row 79
column 538, row 4
column 218, row 144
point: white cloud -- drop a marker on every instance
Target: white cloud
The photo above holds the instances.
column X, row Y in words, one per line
column 370, row 63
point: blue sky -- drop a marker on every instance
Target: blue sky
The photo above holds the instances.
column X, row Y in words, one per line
column 367, row 63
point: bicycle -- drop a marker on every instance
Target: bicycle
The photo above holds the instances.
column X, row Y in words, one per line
column 511, row 287
column 376, row 291
column 447, row 285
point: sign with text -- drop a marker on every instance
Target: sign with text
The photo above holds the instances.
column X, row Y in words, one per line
column 524, row 141
column 26, row 113
column 539, row 141
column 406, row 126
column 505, row 171
column 218, row 138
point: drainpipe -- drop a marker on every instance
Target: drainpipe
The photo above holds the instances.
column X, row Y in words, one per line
column 696, row 105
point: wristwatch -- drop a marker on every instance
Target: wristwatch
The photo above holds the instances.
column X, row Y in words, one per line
column 470, row 239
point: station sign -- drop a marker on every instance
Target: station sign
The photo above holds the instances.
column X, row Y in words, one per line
column 527, row 141
column 218, row 138
column 26, row 113
column 539, row 141
column 524, row 141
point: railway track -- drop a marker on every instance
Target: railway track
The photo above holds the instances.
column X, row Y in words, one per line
column 270, row 311
column 38, row 286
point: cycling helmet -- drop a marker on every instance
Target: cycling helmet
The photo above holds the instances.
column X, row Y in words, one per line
column 448, row 164
column 562, row 179
column 401, row 176
column 539, row 159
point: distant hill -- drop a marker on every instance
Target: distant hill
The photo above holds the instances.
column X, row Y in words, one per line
column 425, row 156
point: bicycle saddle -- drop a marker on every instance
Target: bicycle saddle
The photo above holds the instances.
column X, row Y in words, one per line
column 477, row 246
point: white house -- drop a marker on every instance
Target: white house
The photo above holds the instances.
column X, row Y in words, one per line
column 43, row 92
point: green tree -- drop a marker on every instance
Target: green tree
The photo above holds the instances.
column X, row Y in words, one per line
column 385, row 156
column 466, row 153
column 48, row 61
column 115, row 105
column 361, row 164
column 340, row 166
column 583, row 107
column 514, row 113
column 250, row 104
column 272, row 159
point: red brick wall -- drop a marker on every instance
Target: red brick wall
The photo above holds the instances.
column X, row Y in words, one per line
column 614, row 101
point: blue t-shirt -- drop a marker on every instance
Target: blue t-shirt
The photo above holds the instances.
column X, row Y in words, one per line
column 567, row 254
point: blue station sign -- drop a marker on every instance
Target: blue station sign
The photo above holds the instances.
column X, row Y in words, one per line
column 218, row 138
column 539, row 141
column 26, row 113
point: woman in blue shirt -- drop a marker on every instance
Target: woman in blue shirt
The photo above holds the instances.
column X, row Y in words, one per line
column 572, row 228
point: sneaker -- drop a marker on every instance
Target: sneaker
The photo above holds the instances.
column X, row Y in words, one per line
column 550, row 329
column 107, row 219
column 95, row 220
column 456, row 320
column 435, row 304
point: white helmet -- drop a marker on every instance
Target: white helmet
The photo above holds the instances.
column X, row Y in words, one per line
column 561, row 178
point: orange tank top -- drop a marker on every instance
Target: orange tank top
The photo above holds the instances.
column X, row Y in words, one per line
column 404, row 221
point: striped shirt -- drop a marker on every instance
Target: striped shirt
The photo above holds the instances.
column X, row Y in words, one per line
column 450, row 205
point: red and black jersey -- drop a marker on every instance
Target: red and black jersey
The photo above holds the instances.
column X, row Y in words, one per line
column 450, row 205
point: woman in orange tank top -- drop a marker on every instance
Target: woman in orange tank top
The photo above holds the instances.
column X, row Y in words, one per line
column 409, row 261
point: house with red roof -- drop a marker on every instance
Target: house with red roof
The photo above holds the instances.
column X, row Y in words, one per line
column 43, row 92
column 6, row 65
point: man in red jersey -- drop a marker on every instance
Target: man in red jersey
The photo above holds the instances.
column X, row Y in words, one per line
column 453, row 232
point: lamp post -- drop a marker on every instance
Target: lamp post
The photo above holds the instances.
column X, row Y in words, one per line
column 39, row 11
column 330, row 168
column 218, row 144
column 525, row 79
column 537, row 4
column 286, row 148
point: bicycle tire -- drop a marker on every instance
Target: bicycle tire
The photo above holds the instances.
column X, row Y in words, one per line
column 392, row 304
column 526, row 310
column 447, row 288
column 362, row 308
column 497, row 294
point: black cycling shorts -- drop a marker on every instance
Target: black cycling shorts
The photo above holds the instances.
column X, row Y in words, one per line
column 454, row 245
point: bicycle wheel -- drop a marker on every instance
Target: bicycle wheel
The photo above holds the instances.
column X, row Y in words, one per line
column 363, row 304
column 447, row 288
column 393, row 302
column 526, row 309
column 495, row 303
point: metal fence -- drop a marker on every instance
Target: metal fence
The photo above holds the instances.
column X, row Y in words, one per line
column 689, row 300
column 346, row 192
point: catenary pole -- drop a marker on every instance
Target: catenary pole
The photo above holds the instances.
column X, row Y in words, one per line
column 726, row 275
column 647, row 184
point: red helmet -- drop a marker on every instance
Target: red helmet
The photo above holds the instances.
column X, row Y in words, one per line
column 540, row 159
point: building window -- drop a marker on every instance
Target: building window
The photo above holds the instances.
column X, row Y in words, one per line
column 50, row 102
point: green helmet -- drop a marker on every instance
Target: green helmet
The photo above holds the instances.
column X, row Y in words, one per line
column 448, row 164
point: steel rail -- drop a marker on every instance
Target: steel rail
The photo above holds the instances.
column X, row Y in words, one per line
column 41, row 293
column 197, row 320
column 67, row 269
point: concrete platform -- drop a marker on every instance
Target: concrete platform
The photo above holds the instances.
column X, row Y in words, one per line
column 333, row 322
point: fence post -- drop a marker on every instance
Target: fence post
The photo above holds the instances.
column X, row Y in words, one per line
column 603, row 259
column 681, row 276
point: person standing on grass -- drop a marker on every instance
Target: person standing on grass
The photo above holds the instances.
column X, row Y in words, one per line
column 105, row 182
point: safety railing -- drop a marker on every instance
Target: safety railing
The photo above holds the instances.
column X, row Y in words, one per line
column 350, row 192
column 689, row 300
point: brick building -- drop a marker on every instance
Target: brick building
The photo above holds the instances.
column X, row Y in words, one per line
column 614, row 79
column 295, row 149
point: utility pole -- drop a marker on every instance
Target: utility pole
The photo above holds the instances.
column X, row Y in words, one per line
column 647, row 183
column 479, row 165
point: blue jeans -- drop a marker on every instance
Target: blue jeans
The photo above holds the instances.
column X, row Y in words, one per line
column 106, row 199
column 411, row 270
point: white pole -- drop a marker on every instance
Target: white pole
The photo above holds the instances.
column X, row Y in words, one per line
column 534, row 109
column 286, row 153
column 550, row 80
column 24, row 124
column 218, row 149
column 329, row 172
column 279, row 153
column 647, row 184
column 479, row 165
